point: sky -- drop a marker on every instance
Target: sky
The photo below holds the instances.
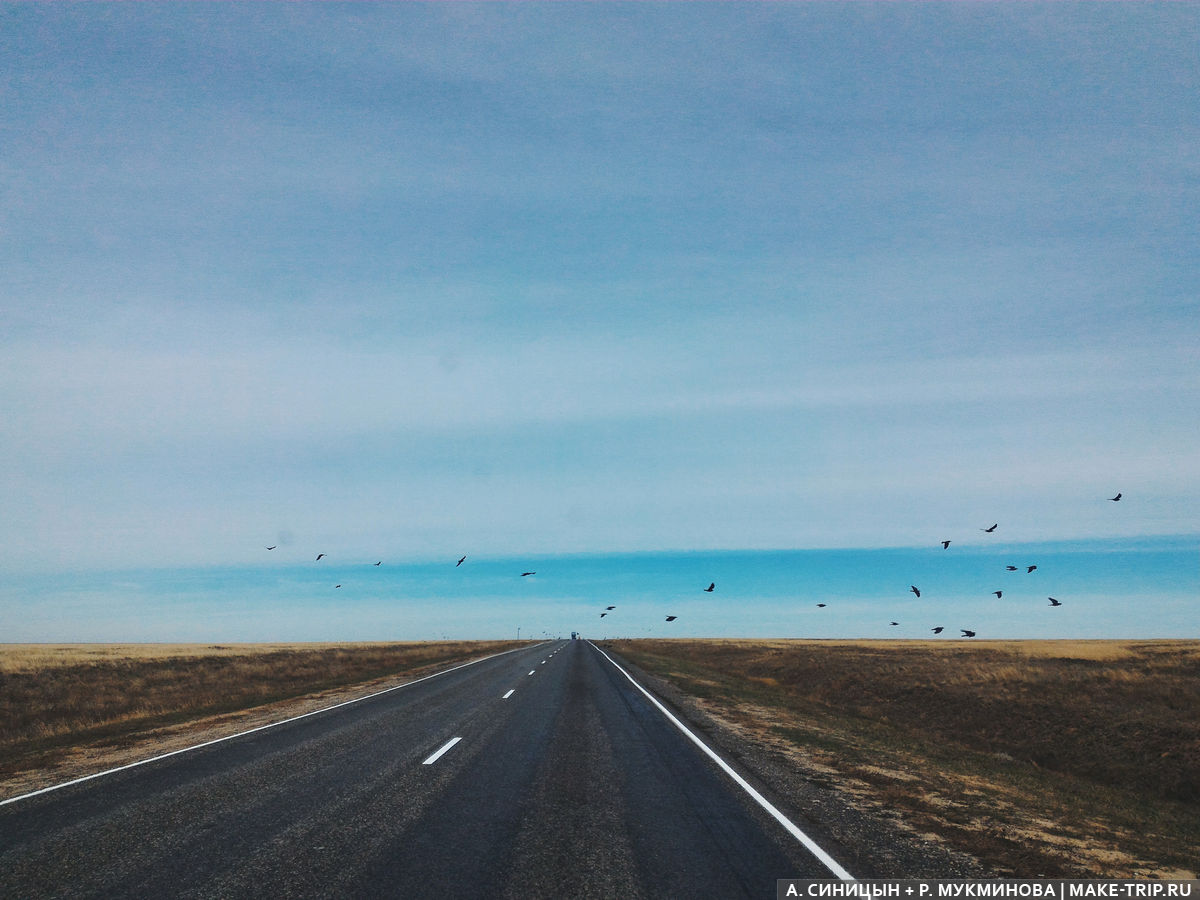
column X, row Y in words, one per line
column 539, row 281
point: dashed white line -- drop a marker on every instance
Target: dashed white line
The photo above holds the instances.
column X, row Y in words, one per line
column 815, row 849
column 436, row 755
column 230, row 737
column 509, row 694
column 531, row 671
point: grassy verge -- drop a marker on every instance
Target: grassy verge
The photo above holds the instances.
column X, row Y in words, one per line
column 57, row 699
column 1039, row 758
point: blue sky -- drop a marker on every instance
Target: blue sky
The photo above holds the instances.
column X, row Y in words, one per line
column 409, row 281
column 1108, row 589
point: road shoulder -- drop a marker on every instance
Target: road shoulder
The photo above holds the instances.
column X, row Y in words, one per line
column 870, row 842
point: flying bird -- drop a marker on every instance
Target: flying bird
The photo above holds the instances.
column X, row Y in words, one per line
column 1054, row 602
column 711, row 587
column 945, row 544
column 523, row 574
column 937, row 630
column 913, row 588
column 672, row 618
column 998, row 594
column 337, row 585
column 1011, row 568
column 821, row 604
column 990, row 530
column 459, row 563
column 319, row 555
column 380, row 563
column 1116, row 498
column 1029, row 569
column 602, row 615
column 893, row 623
column 272, row 548
column 967, row 633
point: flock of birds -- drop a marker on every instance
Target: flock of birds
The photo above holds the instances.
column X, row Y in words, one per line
column 712, row 586
column 1029, row 569
column 937, row 629
column 967, row 632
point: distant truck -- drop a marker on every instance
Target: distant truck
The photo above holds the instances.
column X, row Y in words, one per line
column 574, row 635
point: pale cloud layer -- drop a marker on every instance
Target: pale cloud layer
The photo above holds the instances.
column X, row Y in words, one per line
column 593, row 278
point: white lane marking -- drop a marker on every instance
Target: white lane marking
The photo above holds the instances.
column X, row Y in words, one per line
column 543, row 662
column 531, row 671
column 509, row 694
column 828, row 861
column 436, row 755
column 230, row 737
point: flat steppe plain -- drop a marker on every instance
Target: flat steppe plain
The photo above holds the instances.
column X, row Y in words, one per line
column 1054, row 758
column 1028, row 758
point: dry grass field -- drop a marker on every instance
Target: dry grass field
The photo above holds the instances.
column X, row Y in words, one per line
column 67, row 709
column 1054, row 758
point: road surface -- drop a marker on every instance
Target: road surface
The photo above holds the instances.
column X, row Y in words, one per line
column 542, row 772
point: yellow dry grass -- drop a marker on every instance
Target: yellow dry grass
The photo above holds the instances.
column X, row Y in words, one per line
column 42, row 657
column 1062, row 649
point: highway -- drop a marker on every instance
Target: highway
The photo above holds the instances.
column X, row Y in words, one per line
column 542, row 772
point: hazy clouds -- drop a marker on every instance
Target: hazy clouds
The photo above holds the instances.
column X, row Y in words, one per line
column 603, row 277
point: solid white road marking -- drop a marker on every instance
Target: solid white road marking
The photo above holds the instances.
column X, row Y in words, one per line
column 509, row 694
column 434, row 757
column 230, row 737
column 828, row 861
column 531, row 671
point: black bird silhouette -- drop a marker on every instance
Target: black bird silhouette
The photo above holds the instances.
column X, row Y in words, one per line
column 913, row 588
column 380, row 563
column 990, row 530
column 1116, row 498
column 967, row 633
column 937, row 630
column 672, row 618
column 319, row 555
column 1054, row 602
column 602, row 615
column 893, row 623
column 998, row 594
column 610, row 607
column 711, row 587
column 1011, row 568
column 821, row 604
column 459, row 563
column 1029, row 569
column 337, row 585
column 945, row 544
column 523, row 574
column 272, row 548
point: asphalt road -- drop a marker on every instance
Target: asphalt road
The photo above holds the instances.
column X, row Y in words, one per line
column 573, row 785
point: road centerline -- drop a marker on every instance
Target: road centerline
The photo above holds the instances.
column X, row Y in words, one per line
column 269, row 725
column 437, row 754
